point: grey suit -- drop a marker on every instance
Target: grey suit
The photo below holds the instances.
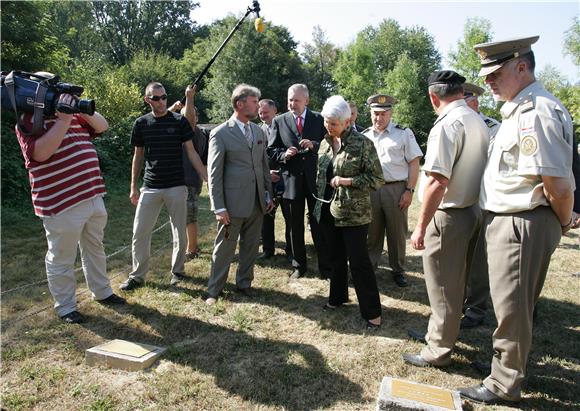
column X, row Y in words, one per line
column 238, row 178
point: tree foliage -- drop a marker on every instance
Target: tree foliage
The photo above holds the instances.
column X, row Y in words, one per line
column 319, row 58
column 365, row 65
column 127, row 27
column 572, row 42
column 267, row 60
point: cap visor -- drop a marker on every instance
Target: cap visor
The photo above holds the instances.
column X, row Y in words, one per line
column 488, row 70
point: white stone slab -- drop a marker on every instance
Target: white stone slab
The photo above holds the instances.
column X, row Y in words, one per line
column 397, row 394
column 123, row 355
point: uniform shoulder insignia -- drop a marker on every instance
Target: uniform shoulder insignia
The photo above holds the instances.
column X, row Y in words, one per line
column 399, row 127
column 490, row 122
column 526, row 105
column 365, row 130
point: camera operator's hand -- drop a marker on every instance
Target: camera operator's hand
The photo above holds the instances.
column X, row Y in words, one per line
column 176, row 107
column 306, row 144
column 67, row 104
column 291, row 152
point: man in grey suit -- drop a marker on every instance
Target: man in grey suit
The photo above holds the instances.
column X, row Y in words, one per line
column 240, row 191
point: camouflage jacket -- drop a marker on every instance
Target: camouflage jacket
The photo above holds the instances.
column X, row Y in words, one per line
column 356, row 159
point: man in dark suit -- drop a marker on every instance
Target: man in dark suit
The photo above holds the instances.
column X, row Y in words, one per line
column 293, row 144
column 239, row 191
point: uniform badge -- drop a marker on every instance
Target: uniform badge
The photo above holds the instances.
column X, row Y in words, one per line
column 526, row 106
column 528, row 145
column 382, row 99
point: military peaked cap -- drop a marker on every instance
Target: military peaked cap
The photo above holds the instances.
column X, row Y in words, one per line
column 381, row 102
column 495, row 54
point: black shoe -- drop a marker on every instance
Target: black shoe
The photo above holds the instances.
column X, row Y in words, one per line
column 265, row 256
column 130, row 285
column 481, row 394
column 296, row 274
column 328, row 307
column 400, row 279
column 481, row 367
column 112, row 299
column 469, row 322
column 190, row 255
column 416, row 360
column 417, row 336
column 371, row 326
column 176, row 278
column 74, row 317
column 247, row 292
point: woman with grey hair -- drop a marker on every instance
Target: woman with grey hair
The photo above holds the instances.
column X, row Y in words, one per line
column 348, row 168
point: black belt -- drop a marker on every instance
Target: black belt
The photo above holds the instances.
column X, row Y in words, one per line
column 393, row 182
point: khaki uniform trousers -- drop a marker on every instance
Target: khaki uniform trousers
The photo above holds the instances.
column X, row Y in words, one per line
column 248, row 231
column 519, row 248
column 445, row 264
column 388, row 218
column 477, row 287
column 81, row 226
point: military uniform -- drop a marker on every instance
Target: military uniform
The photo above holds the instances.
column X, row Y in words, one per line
column 456, row 149
column 345, row 220
column 396, row 147
column 521, row 229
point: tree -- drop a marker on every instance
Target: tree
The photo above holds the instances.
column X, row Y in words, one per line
column 364, row 66
column 402, row 82
column 267, row 60
column 552, row 79
column 572, row 42
column 27, row 40
column 127, row 26
column 319, row 60
column 465, row 60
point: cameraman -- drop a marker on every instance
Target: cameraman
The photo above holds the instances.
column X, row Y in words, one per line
column 67, row 194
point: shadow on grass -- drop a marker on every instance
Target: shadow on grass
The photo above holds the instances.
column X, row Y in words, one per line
column 261, row 370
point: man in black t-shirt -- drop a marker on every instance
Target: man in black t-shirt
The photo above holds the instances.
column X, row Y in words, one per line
column 159, row 139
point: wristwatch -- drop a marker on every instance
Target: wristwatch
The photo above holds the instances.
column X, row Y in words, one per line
column 409, row 189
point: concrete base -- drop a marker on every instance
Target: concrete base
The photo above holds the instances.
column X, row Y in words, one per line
column 123, row 355
column 396, row 394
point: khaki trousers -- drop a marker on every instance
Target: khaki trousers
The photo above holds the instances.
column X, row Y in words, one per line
column 389, row 219
column 477, row 288
column 148, row 208
column 519, row 248
column 80, row 226
column 445, row 264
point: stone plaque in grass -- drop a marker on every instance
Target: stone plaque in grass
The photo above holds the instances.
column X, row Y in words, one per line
column 396, row 394
column 124, row 355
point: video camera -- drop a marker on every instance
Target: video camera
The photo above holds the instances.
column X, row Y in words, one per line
column 39, row 93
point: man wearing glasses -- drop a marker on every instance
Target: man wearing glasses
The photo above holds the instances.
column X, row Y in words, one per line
column 159, row 138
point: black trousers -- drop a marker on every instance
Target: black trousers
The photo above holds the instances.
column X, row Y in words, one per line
column 348, row 246
column 268, row 236
column 295, row 209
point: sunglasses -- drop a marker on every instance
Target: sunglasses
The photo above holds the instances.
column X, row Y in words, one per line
column 157, row 98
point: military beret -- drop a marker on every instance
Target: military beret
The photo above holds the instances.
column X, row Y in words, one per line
column 381, row 102
column 470, row 89
column 445, row 77
column 495, row 54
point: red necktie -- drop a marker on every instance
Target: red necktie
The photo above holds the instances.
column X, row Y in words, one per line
column 299, row 124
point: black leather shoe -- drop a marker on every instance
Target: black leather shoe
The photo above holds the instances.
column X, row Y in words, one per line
column 265, row 256
column 481, row 394
column 328, row 307
column 400, row 279
column 130, row 285
column 296, row 274
column 74, row 317
column 112, row 299
column 416, row 360
column 371, row 326
column 247, row 292
column 417, row 336
column 469, row 322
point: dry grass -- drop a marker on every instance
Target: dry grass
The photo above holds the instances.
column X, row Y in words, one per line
column 279, row 350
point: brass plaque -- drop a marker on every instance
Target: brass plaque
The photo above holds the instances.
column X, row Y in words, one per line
column 126, row 348
column 421, row 393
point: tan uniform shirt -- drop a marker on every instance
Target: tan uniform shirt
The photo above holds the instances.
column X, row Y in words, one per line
column 396, row 147
column 535, row 139
column 457, row 149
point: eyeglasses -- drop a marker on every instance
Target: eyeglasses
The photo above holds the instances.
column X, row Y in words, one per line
column 157, row 98
column 322, row 200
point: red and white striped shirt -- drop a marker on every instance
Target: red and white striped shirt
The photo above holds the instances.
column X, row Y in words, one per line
column 70, row 176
